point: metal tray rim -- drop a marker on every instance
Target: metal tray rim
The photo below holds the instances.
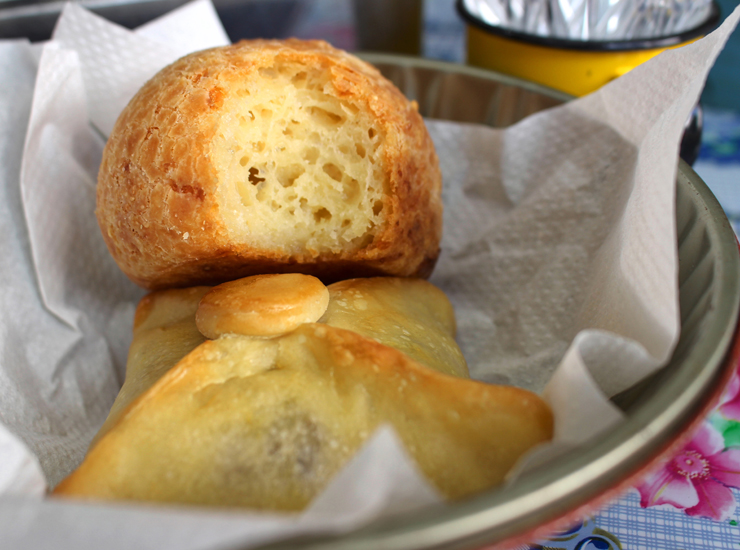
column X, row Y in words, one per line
column 545, row 495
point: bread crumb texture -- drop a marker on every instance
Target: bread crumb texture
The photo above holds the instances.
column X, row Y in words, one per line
column 269, row 156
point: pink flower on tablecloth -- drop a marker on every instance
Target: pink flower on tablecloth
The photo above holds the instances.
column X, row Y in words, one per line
column 729, row 406
column 698, row 479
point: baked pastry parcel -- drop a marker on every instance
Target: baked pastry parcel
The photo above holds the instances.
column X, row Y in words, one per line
column 269, row 157
column 264, row 421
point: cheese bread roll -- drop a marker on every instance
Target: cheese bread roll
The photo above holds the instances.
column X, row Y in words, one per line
column 269, row 157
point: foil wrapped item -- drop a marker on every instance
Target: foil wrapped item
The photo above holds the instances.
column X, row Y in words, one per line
column 593, row 20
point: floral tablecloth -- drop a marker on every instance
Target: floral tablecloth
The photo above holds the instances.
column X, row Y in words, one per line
column 691, row 502
column 688, row 503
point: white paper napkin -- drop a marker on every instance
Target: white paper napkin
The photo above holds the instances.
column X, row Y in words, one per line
column 116, row 62
column 559, row 255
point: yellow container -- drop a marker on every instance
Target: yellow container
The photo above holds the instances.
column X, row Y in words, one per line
column 572, row 66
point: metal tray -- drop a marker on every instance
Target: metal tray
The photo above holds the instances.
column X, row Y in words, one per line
column 659, row 411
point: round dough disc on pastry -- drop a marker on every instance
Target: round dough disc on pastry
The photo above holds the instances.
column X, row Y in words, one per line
column 269, row 157
column 262, row 305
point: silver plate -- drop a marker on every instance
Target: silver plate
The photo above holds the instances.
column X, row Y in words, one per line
column 658, row 410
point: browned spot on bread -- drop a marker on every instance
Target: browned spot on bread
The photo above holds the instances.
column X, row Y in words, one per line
column 215, row 97
column 197, row 192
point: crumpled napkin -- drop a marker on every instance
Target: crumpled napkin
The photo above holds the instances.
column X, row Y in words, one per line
column 559, row 255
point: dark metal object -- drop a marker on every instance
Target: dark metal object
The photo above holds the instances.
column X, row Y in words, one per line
column 380, row 25
column 36, row 21
column 241, row 18
column 691, row 141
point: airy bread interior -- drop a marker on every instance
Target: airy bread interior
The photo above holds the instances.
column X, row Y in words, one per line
column 300, row 169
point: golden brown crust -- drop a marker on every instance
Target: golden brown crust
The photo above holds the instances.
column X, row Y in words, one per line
column 158, row 205
column 262, row 305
